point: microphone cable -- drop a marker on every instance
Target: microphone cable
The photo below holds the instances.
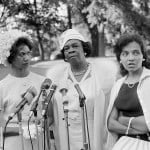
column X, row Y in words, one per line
column 4, row 133
column 87, row 126
column 30, row 133
column 44, row 134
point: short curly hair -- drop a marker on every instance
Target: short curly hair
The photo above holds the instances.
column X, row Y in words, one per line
column 124, row 40
column 14, row 48
column 87, row 48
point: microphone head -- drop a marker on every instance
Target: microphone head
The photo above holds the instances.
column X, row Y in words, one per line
column 46, row 84
column 63, row 87
column 54, row 86
column 31, row 93
column 65, row 103
column 63, row 91
column 65, row 106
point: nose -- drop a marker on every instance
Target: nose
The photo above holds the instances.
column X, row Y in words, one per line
column 130, row 56
column 71, row 50
column 26, row 57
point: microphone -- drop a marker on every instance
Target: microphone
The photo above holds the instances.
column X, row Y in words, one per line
column 81, row 95
column 64, row 91
column 23, row 96
column 48, row 99
column 65, row 106
column 27, row 99
column 46, row 84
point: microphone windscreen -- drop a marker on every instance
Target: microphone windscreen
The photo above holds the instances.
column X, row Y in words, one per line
column 46, row 83
column 31, row 93
column 63, row 87
column 65, row 103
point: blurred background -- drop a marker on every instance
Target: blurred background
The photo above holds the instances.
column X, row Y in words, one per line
column 100, row 21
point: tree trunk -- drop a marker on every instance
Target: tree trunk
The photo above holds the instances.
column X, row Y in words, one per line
column 101, row 43
column 94, row 38
column 41, row 49
column 69, row 16
column 97, row 42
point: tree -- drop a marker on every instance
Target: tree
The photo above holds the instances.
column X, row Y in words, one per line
column 40, row 17
column 136, row 14
column 97, row 16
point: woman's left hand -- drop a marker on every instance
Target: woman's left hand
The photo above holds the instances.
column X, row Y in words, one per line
column 123, row 120
column 137, row 123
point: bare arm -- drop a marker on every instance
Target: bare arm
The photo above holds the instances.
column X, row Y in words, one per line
column 138, row 123
column 115, row 126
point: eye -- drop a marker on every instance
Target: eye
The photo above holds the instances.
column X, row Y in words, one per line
column 124, row 53
column 66, row 48
column 22, row 54
column 136, row 53
column 75, row 45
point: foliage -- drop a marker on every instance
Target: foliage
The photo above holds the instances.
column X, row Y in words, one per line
column 39, row 18
column 43, row 20
column 136, row 14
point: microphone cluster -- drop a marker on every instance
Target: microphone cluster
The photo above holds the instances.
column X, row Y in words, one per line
column 30, row 94
column 48, row 99
column 27, row 99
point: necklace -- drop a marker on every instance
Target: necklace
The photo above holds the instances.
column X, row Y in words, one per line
column 130, row 85
column 81, row 72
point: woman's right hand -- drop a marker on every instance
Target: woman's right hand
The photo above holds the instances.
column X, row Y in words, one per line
column 118, row 123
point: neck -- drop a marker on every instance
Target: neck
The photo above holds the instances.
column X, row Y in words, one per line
column 19, row 72
column 135, row 76
column 77, row 67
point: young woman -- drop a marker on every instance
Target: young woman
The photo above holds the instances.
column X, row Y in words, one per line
column 129, row 112
column 16, row 50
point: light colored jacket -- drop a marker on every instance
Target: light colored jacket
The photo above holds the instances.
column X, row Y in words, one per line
column 143, row 92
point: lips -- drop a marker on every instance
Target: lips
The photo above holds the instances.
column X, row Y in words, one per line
column 25, row 63
column 131, row 65
column 71, row 56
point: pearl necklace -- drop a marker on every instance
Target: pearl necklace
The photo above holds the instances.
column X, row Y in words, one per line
column 81, row 72
column 131, row 85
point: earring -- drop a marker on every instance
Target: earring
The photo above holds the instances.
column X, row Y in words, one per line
column 66, row 59
column 85, row 54
column 120, row 62
column 143, row 59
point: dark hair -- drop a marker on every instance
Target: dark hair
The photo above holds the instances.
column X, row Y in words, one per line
column 125, row 40
column 86, row 48
column 14, row 48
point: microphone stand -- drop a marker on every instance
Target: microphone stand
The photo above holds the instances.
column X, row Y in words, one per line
column 44, row 112
column 64, row 91
column 36, row 126
column 45, row 124
column 1, row 130
column 83, row 121
column 44, row 95
column 19, row 115
column 35, row 116
column 1, row 137
column 66, row 120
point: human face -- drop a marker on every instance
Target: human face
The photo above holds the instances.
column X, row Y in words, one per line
column 73, row 50
column 131, row 57
column 23, row 57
